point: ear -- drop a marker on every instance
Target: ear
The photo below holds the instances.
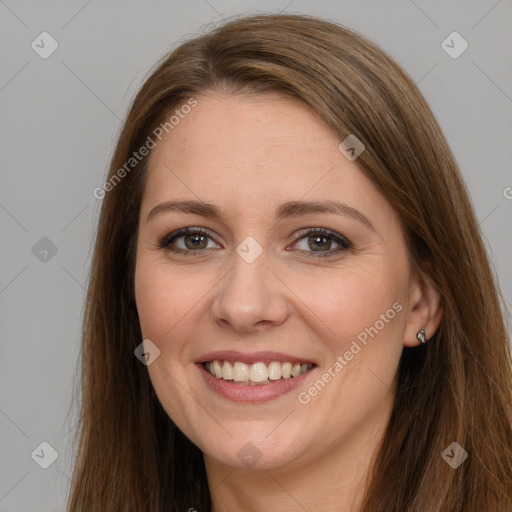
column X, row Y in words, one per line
column 424, row 309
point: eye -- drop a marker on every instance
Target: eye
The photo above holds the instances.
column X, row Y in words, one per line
column 315, row 240
column 194, row 240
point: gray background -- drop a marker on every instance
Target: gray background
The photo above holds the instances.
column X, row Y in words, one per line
column 59, row 120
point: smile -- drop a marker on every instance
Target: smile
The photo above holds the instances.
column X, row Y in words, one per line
column 256, row 374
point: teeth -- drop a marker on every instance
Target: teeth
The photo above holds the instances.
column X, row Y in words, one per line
column 274, row 371
column 257, row 373
column 217, row 369
column 227, row 371
column 240, row 372
column 296, row 370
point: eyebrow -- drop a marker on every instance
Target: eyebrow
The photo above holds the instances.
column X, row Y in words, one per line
column 285, row 210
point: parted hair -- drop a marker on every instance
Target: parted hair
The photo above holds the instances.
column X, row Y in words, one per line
column 129, row 454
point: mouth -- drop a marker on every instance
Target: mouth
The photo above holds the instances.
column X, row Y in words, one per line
column 260, row 373
column 254, row 377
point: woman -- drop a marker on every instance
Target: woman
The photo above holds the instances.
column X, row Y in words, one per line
column 290, row 304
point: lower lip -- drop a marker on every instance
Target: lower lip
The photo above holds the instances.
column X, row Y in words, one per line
column 248, row 393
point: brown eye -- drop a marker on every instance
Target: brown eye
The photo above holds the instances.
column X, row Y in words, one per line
column 196, row 241
column 186, row 240
column 319, row 242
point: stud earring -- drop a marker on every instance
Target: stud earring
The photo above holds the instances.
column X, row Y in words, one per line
column 421, row 336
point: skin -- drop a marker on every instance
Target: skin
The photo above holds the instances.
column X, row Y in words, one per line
column 247, row 154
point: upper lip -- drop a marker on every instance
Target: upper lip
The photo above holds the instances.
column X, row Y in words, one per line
column 252, row 357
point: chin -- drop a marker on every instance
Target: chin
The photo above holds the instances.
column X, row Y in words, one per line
column 243, row 454
column 259, row 446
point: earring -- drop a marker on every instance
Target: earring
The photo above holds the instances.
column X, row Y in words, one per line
column 421, row 336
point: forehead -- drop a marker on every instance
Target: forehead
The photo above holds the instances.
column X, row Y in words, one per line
column 252, row 151
column 253, row 129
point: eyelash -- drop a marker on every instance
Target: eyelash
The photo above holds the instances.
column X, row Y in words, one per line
column 165, row 242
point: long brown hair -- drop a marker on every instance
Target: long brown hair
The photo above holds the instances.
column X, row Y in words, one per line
column 457, row 388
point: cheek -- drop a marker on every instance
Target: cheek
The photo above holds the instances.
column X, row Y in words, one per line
column 164, row 297
column 349, row 300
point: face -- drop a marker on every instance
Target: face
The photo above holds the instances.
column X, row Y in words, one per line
column 267, row 283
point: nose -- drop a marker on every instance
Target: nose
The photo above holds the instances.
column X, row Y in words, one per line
column 250, row 297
